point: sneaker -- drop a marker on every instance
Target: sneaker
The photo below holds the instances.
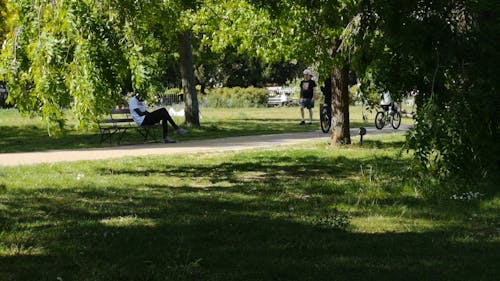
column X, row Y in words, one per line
column 169, row 140
column 309, row 123
column 181, row 131
column 302, row 122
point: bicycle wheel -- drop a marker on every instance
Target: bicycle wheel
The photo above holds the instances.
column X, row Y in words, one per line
column 379, row 120
column 326, row 122
column 396, row 120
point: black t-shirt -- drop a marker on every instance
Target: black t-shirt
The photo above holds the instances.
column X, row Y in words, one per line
column 307, row 88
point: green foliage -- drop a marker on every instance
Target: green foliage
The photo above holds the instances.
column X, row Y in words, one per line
column 355, row 94
column 444, row 50
column 278, row 30
column 230, row 69
column 3, row 20
column 83, row 55
column 237, row 97
column 457, row 141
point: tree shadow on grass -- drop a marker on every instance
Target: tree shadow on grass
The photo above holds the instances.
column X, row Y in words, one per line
column 190, row 238
column 27, row 139
column 244, row 231
column 369, row 143
column 272, row 168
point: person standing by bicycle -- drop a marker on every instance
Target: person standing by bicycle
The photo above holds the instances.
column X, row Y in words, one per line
column 307, row 87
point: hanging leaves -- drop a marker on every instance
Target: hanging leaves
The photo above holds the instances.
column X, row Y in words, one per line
column 82, row 55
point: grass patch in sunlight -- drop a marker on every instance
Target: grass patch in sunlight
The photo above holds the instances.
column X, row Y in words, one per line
column 23, row 134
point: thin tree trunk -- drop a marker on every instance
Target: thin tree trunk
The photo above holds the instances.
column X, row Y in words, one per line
column 340, row 96
column 191, row 108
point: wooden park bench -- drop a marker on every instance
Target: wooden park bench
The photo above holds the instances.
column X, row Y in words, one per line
column 119, row 121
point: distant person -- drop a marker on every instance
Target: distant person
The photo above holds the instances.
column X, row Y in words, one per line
column 385, row 98
column 143, row 117
column 307, row 96
column 386, row 102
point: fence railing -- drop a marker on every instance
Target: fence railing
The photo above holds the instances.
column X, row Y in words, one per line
column 170, row 99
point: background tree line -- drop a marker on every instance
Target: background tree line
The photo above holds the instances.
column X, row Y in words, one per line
column 85, row 54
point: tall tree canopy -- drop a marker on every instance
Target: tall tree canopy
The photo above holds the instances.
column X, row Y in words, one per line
column 313, row 32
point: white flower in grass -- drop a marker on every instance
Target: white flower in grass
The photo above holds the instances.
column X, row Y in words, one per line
column 467, row 196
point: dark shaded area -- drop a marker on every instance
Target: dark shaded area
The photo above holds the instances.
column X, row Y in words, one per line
column 32, row 138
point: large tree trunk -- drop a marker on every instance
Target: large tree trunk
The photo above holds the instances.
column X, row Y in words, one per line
column 340, row 96
column 191, row 109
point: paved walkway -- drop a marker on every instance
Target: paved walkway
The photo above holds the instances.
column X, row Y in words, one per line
column 222, row 144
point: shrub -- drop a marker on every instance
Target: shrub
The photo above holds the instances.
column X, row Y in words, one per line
column 237, row 97
column 354, row 94
column 456, row 140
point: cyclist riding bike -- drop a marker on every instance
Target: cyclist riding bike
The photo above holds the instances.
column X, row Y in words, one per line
column 386, row 102
column 390, row 113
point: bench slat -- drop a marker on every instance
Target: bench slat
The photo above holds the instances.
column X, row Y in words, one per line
column 118, row 120
column 120, row 111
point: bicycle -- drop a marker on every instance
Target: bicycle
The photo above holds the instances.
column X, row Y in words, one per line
column 325, row 117
column 388, row 114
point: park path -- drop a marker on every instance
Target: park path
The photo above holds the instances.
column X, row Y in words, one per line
column 212, row 145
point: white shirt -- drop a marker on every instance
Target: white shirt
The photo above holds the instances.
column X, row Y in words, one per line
column 134, row 103
column 386, row 100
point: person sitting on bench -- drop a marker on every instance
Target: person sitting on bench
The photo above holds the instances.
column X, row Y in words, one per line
column 143, row 117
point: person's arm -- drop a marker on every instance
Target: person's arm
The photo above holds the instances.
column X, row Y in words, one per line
column 141, row 113
column 314, row 90
column 134, row 105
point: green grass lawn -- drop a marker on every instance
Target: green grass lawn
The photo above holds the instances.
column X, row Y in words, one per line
column 308, row 212
column 20, row 134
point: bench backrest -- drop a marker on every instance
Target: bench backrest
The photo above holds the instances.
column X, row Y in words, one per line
column 119, row 117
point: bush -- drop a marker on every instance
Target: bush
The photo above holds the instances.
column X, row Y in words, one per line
column 457, row 139
column 237, row 97
column 354, row 94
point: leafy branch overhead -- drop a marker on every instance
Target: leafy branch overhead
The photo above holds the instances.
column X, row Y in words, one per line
column 83, row 54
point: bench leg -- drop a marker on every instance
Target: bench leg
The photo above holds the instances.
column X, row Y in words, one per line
column 121, row 133
column 105, row 134
column 148, row 132
column 143, row 131
column 108, row 133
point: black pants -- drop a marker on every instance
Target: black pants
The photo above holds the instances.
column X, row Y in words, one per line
column 157, row 116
